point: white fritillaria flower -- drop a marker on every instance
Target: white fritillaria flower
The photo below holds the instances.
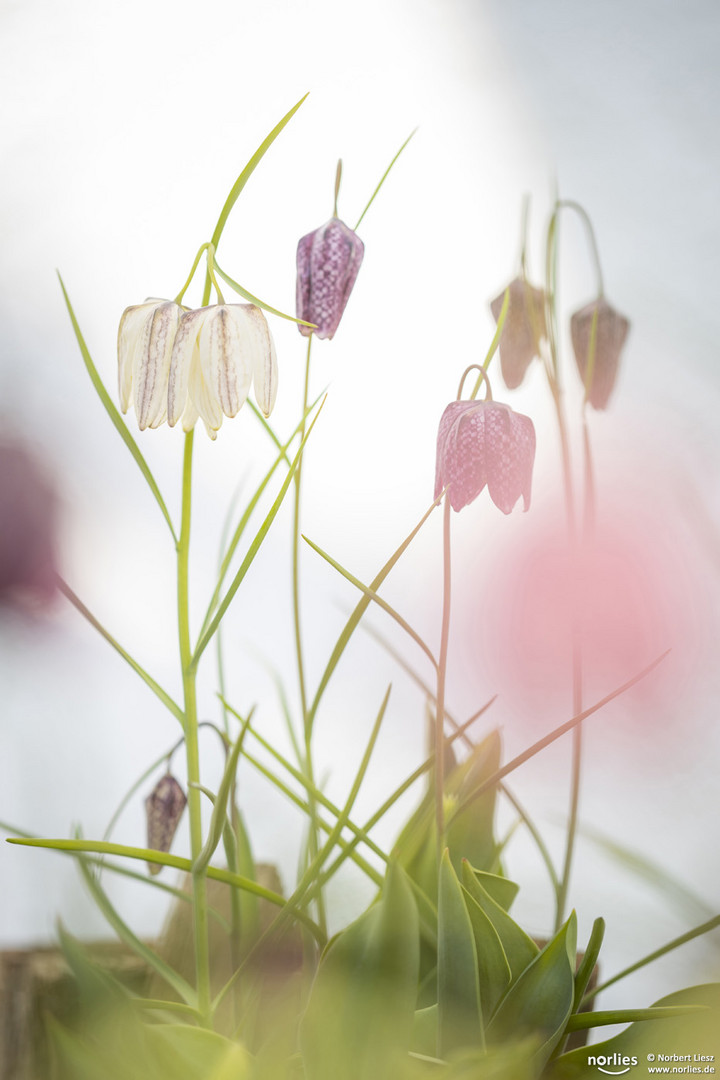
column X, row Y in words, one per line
column 145, row 342
column 218, row 352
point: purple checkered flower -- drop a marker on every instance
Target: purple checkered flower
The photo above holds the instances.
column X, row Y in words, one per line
column 612, row 330
column 163, row 809
column 524, row 326
column 328, row 261
column 484, row 442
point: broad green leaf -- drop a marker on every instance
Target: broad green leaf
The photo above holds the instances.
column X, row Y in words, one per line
column 502, row 890
column 75, row 1058
column 359, row 1019
column 425, row 1031
column 493, row 968
column 512, row 1061
column 519, row 949
column 460, row 1021
column 470, row 836
column 181, row 1052
column 693, row 1033
column 538, row 1003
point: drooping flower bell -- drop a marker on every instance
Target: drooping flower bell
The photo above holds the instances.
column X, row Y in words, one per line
column 219, row 352
column 328, row 261
column 524, row 327
column 163, row 809
column 28, row 532
column 610, row 335
column 484, row 442
column 145, row 341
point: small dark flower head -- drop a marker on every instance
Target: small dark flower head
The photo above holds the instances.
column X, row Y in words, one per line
column 484, row 442
column 163, row 809
column 328, row 261
column 27, row 535
column 524, row 326
column 612, row 330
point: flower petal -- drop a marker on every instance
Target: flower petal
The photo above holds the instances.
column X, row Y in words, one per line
column 612, row 331
column 129, row 330
column 523, row 329
column 223, row 358
column 511, row 453
column 329, row 260
column 181, row 362
column 152, row 364
column 258, row 348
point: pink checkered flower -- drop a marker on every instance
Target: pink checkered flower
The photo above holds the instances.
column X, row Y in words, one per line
column 484, row 442
column 163, row 809
column 524, row 326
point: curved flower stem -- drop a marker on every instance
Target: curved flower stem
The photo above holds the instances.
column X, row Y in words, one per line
column 191, row 275
column 307, row 726
column 570, row 204
column 570, row 510
column 440, row 696
column 199, row 880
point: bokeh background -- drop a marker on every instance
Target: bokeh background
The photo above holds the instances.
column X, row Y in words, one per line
column 123, row 127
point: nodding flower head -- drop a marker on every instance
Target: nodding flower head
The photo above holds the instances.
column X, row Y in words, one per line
column 610, row 334
column 524, row 326
column 484, row 442
column 163, row 809
column 218, row 353
column 328, row 261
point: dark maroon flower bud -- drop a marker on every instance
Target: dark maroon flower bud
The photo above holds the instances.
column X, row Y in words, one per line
column 484, row 442
column 523, row 328
column 612, row 330
column 328, row 261
column 163, row 809
column 27, row 534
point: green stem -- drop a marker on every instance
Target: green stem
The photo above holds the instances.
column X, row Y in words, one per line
column 440, row 696
column 313, row 839
column 570, row 514
column 199, row 880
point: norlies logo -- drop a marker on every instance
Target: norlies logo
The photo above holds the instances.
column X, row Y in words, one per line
column 601, row 1061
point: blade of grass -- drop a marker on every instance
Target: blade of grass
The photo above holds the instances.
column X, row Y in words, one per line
column 698, row 931
column 163, row 858
column 206, row 638
column 384, row 178
column 372, row 595
column 125, row 934
column 219, row 814
column 247, row 513
column 259, row 303
column 582, row 1021
column 147, row 679
column 115, row 416
column 250, row 169
column 360, row 610
column 558, row 732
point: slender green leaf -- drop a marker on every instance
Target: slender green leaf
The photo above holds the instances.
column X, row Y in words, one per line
column 252, row 550
column 460, row 1019
column 383, row 179
column 359, row 611
column 558, row 732
column 698, row 931
column 164, row 858
column 155, row 962
column 372, row 595
column 583, row 1021
column 219, row 814
column 588, row 962
column 666, row 883
column 692, row 1032
column 147, row 679
column 259, row 303
column 115, row 416
column 250, row 169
